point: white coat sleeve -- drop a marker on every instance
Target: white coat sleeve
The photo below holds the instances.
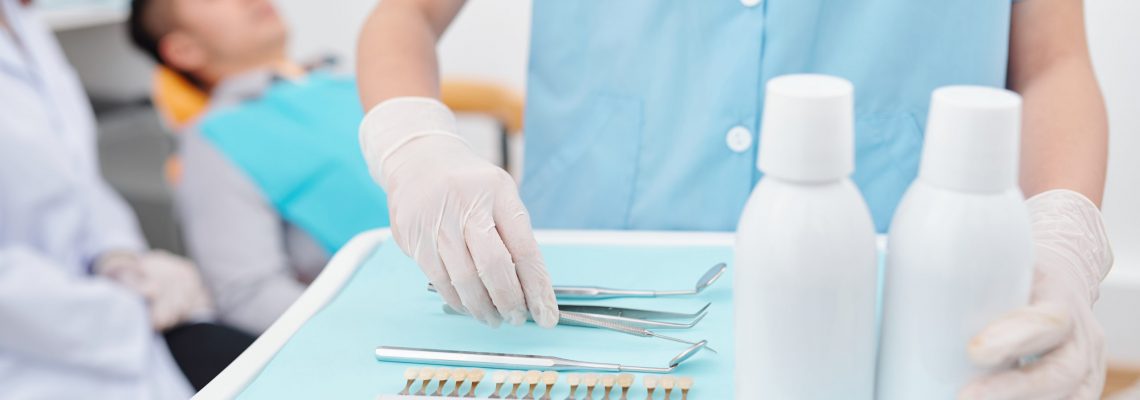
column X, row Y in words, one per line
column 111, row 224
column 79, row 321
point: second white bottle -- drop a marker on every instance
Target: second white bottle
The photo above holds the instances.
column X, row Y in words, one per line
column 961, row 250
column 805, row 271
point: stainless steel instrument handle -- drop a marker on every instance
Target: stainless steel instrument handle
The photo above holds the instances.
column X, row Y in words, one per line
column 578, row 319
column 632, row 312
column 644, row 323
column 486, row 360
column 595, row 319
column 592, row 292
column 589, row 292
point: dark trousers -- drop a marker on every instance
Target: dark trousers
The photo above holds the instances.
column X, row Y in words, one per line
column 203, row 350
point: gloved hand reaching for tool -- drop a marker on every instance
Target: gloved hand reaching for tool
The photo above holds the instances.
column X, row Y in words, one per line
column 170, row 284
column 457, row 215
column 1072, row 257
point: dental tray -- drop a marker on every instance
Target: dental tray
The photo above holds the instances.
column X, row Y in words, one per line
column 385, row 304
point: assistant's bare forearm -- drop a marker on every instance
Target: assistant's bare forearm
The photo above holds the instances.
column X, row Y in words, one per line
column 1065, row 144
column 396, row 52
column 1065, row 126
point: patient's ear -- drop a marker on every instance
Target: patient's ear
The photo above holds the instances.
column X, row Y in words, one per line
column 183, row 52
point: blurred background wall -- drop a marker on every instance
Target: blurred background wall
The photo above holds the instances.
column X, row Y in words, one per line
column 490, row 41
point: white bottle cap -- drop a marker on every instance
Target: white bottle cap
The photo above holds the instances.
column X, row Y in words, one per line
column 807, row 130
column 972, row 139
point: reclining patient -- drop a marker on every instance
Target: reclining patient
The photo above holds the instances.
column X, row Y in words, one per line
column 272, row 179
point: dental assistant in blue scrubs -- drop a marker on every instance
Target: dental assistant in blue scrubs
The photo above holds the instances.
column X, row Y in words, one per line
column 644, row 115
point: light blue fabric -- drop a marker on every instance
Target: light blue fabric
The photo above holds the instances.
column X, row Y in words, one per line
column 385, row 303
column 298, row 142
column 629, row 102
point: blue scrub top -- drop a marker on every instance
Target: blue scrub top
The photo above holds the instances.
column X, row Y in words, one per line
column 643, row 114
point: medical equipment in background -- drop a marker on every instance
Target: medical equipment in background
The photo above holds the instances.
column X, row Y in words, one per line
column 521, row 361
column 805, row 282
column 960, row 245
column 611, row 386
column 595, row 292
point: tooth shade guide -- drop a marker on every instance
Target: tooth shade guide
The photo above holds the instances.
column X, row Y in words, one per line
column 549, row 377
column 499, row 377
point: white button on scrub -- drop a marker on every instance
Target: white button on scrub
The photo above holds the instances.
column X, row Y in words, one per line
column 739, row 139
column 750, row 3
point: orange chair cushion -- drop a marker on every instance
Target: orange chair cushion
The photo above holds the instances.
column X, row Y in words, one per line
column 176, row 99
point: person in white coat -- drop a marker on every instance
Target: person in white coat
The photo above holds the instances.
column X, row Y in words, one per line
column 84, row 306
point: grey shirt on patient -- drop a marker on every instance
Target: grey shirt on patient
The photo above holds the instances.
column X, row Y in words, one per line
column 255, row 263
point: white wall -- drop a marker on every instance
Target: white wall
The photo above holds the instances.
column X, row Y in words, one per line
column 1113, row 40
column 1113, row 34
column 489, row 40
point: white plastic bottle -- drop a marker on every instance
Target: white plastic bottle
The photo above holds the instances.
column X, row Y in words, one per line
column 960, row 249
column 804, row 285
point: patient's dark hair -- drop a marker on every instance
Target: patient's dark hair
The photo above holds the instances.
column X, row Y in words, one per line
column 149, row 22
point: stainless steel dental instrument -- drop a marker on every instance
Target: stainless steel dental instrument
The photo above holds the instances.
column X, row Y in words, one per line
column 606, row 314
column 569, row 318
column 606, row 322
column 632, row 312
column 642, row 323
column 594, row 292
column 520, row 361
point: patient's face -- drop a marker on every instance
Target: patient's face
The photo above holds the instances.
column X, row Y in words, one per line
column 232, row 30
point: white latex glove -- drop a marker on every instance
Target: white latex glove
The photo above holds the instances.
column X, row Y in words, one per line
column 170, row 284
column 1072, row 257
column 457, row 215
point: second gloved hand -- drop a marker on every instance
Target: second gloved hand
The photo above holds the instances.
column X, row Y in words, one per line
column 457, row 215
column 1073, row 256
column 170, row 284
